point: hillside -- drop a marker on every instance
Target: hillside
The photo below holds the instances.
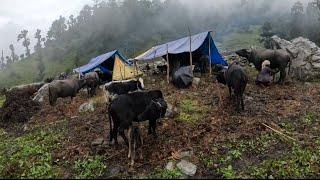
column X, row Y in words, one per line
column 60, row 142
column 26, row 71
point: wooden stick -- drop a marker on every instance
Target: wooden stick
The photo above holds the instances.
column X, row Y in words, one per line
column 190, row 51
column 279, row 132
column 210, row 70
column 168, row 65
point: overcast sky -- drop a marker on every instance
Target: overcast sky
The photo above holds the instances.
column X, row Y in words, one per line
column 16, row 15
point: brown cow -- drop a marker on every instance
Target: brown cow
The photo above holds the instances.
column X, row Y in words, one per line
column 64, row 88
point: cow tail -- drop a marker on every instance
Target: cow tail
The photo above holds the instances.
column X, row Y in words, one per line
column 111, row 125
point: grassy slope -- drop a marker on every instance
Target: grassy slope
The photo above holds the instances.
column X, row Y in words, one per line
column 238, row 40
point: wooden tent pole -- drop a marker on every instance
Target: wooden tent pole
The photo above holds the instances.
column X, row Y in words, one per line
column 210, row 69
column 190, row 51
column 168, row 65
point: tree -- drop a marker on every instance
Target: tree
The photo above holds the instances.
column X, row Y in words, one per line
column 2, row 65
column 22, row 56
column 297, row 22
column 57, row 29
column 26, row 41
column 39, row 38
column 13, row 55
column 266, row 35
column 8, row 60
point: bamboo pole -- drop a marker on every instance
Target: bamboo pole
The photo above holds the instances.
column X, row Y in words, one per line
column 168, row 65
column 190, row 51
column 210, row 69
column 278, row 132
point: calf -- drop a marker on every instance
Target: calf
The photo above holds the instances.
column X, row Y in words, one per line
column 116, row 88
column 126, row 108
column 135, row 142
column 92, row 81
column 64, row 88
column 235, row 78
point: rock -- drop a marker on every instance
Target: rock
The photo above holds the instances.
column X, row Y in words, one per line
column 153, row 80
column 42, row 92
column 97, row 142
column 186, row 154
column 196, row 81
column 114, row 172
column 25, row 128
column 187, row 168
column 307, row 63
column 170, row 166
column 172, row 112
column 86, row 107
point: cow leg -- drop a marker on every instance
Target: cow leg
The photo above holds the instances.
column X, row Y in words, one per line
column 282, row 76
column 130, row 140
column 238, row 102
column 242, row 102
column 153, row 126
column 121, row 132
column 230, row 92
column 133, row 155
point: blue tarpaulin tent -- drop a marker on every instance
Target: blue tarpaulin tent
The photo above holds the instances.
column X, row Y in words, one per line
column 199, row 43
column 104, row 62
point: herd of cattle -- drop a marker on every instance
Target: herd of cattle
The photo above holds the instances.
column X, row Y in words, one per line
column 129, row 103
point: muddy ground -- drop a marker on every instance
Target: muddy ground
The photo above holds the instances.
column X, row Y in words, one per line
column 209, row 127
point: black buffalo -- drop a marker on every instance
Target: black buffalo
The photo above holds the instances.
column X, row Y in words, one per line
column 279, row 59
column 126, row 108
column 64, row 88
column 235, row 78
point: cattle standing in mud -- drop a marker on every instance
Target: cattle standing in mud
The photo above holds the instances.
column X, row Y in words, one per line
column 235, row 78
column 126, row 108
column 64, row 88
column 279, row 59
column 92, row 82
column 113, row 89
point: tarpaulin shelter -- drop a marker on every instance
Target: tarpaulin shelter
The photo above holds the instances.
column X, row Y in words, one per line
column 201, row 44
column 111, row 63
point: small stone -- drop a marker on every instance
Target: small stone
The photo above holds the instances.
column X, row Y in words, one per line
column 97, row 142
column 25, row 128
column 170, row 166
column 196, row 81
column 86, row 107
column 114, row 171
column 186, row 154
column 187, row 168
column 270, row 177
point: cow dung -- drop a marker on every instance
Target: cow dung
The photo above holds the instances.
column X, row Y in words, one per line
column 18, row 107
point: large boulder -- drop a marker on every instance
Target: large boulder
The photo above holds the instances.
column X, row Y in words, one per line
column 306, row 65
column 42, row 93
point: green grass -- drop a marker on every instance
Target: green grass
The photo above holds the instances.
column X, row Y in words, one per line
column 29, row 156
column 2, row 100
column 240, row 40
column 269, row 155
column 91, row 167
column 165, row 174
column 191, row 111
